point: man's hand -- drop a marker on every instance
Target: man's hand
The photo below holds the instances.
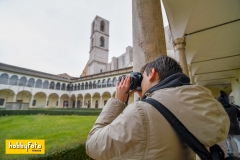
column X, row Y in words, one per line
column 122, row 88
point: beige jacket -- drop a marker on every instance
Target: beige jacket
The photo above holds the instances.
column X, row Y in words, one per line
column 139, row 131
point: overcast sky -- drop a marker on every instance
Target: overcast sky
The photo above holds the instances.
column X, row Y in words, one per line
column 53, row 36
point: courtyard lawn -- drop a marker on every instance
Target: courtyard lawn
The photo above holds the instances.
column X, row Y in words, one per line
column 58, row 131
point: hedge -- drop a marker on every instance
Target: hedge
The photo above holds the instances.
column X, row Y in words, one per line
column 73, row 153
column 82, row 112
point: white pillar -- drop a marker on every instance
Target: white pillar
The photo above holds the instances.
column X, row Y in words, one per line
column 100, row 106
column 83, row 104
column 46, row 102
column 91, row 105
column 14, row 97
column 59, row 100
column 31, row 101
column 179, row 46
column 76, row 103
column 69, row 103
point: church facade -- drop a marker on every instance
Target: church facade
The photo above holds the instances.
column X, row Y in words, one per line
column 92, row 89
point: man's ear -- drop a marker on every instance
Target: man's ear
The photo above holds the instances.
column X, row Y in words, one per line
column 152, row 74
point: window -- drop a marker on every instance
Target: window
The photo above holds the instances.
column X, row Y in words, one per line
column 31, row 82
column 23, row 81
column 102, row 26
column 90, row 85
column 45, row 85
column 94, row 85
column 109, row 83
column 103, row 83
column 38, row 83
column 114, row 81
column 86, row 85
column 58, row 86
column 13, row 80
column 79, row 86
column 68, row 87
column 4, row 79
column 57, row 103
column 99, row 84
column 92, row 43
column 52, row 84
column 101, row 42
column 100, row 70
column 1, row 101
column 82, row 86
column 93, row 24
column 123, row 60
column 63, row 87
column 34, row 102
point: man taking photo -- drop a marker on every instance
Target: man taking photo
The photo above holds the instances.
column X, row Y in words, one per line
column 139, row 131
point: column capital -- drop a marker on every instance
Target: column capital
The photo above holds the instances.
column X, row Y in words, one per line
column 179, row 43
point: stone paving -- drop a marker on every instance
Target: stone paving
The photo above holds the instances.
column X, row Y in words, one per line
column 223, row 145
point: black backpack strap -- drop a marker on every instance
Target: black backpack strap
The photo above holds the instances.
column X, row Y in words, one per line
column 181, row 130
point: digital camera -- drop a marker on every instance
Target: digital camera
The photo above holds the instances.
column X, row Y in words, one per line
column 135, row 80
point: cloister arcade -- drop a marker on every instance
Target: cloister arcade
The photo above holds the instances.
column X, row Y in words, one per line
column 45, row 93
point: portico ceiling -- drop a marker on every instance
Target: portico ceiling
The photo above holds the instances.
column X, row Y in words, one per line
column 211, row 30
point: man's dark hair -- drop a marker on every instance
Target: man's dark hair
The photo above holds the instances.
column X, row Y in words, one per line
column 164, row 65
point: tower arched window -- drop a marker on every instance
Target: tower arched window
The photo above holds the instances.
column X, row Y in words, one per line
column 103, row 83
column 23, row 81
column 31, row 82
column 90, row 85
column 58, row 86
column 123, row 60
column 45, row 84
column 4, row 78
column 102, row 41
column 86, row 85
column 52, row 85
column 92, row 42
column 93, row 24
column 13, row 80
column 102, row 26
column 38, row 83
column 63, row 87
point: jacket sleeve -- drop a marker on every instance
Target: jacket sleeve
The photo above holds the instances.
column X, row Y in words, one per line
column 117, row 132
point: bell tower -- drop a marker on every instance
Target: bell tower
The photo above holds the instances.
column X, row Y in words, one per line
column 99, row 44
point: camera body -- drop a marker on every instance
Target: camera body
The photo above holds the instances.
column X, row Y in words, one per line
column 135, row 80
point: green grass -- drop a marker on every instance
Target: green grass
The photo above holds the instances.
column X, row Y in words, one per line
column 58, row 131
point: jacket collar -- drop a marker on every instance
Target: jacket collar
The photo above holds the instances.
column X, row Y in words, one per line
column 175, row 80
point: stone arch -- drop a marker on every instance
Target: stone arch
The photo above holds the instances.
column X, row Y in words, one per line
column 24, row 96
column 6, row 95
column 4, row 78
column 40, row 100
column 105, row 96
column 64, row 101
column 79, row 101
column 53, row 100
column 96, row 100
column 87, row 100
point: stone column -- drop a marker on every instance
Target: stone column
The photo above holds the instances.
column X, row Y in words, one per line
column 76, row 103
column 46, row 102
column 91, row 103
column 148, row 32
column 14, row 97
column 31, row 101
column 179, row 46
column 59, row 100
column 100, row 104
column 83, row 103
column 69, row 103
